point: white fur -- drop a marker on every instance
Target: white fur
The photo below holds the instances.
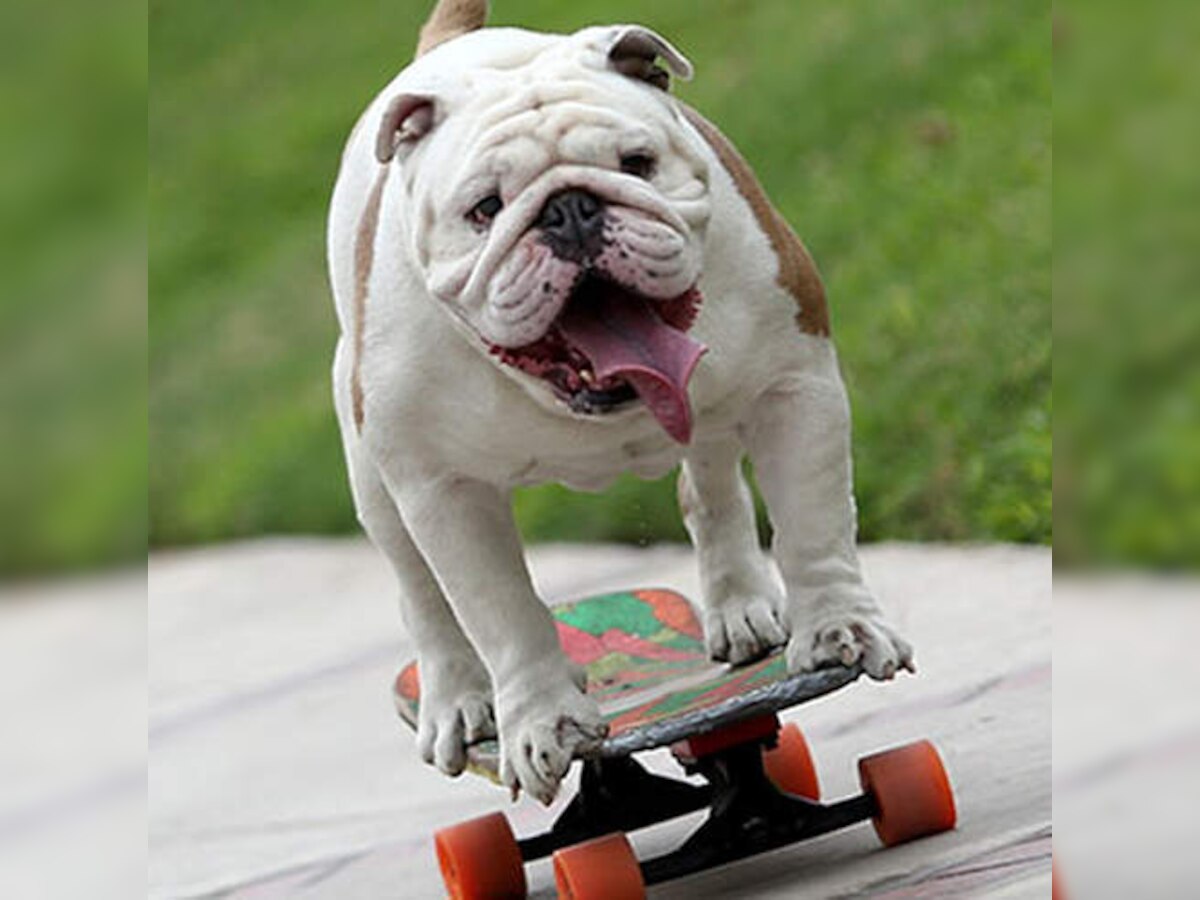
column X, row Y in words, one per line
column 448, row 432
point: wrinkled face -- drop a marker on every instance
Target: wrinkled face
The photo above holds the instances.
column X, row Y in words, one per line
column 559, row 212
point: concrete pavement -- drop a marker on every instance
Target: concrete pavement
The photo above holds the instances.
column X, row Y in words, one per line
column 278, row 769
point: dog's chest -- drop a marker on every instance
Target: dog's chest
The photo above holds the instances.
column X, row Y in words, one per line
column 595, row 471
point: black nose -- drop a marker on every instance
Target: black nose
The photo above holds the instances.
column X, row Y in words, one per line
column 572, row 223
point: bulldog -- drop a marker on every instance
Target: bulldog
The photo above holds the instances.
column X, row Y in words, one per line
column 548, row 268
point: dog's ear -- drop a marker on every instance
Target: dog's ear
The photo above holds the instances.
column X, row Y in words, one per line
column 408, row 118
column 635, row 51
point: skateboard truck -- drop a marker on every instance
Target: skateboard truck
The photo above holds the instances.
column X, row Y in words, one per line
column 761, row 792
column 749, row 814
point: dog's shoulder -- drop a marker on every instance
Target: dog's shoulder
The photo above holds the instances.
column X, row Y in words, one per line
column 798, row 273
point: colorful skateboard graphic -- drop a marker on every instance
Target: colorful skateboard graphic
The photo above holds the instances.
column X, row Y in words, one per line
column 644, row 655
column 643, row 652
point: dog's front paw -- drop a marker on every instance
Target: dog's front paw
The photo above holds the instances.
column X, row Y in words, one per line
column 456, row 710
column 844, row 626
column 545, row 721
column 742, row 628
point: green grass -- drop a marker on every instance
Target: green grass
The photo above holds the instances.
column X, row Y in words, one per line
column 72, row 287
column 1127, row 324
column 908, row 141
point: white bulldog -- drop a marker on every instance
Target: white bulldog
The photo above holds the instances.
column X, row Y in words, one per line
column 547, row 268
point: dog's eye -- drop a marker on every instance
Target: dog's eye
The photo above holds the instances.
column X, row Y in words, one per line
column 640, row 165
column 485, row 210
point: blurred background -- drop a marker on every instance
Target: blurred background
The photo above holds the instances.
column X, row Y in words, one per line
column 72, row 287
column 1127, row 440
column 1126, row 275
column 73, row 449
column 908, row 141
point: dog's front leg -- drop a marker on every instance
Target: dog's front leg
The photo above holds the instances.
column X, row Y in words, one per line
column 465, row 529
column 456, row 691
column 799, row 439
column 739, row 600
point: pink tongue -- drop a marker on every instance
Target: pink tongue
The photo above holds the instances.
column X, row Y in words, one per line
column 621, row 335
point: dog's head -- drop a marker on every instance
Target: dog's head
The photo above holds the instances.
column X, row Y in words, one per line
column 557, row 207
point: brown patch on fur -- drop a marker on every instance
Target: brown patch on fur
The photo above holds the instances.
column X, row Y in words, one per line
column 449, row 19
column 364, row 261
column 797, row 273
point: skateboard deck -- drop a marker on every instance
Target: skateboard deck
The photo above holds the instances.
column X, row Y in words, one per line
column 643, row 651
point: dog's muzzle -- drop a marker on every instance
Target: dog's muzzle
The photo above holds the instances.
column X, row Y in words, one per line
column 606, row 293
column 572, row 225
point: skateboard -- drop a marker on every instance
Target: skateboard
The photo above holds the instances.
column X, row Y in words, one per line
column 643, row 652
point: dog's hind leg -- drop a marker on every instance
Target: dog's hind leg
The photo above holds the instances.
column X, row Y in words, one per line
column 739, row 598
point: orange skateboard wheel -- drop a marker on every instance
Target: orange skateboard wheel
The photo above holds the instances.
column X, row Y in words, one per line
column 789, row 764
column 480, row 859
column 912, row 792
column 601, row 869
